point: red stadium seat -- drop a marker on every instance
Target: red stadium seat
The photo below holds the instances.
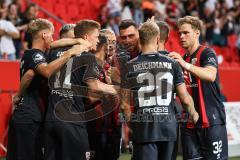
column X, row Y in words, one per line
column 232, row 39
column 60, row 11
column 73, row 12
column 46, row 5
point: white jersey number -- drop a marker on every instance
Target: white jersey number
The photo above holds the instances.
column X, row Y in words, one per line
column 157, row 85
column 66, row 83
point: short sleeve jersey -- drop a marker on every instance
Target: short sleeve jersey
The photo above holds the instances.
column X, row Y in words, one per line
column 32, row 104
column 153, row 78
column 67, row 88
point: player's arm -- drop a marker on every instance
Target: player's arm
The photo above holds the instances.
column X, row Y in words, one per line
column 47, row 70
column 25, row 82
column 97, row 85
column 187, row 101
column 68, row 42
column 207, row 73
column 97, row 88
column 125, row 96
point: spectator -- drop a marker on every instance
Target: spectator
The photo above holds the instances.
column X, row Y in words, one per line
column 114, row 7
column 8, row 32
column 160, row 8
column 148, row 9
column 30, row 14
column 13, row 16
column 138, row 13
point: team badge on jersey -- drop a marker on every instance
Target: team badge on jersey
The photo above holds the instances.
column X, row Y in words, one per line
column 194, row 61
column 38, row 58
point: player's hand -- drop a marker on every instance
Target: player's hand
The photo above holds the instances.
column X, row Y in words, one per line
column 178, row 58
column 195, row 118
column 83, row 42
column 79, row 48
column 16, row 99
column 108, row 76
column 151, row 20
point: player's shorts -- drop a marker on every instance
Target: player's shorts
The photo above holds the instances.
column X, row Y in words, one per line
column 163, row 150
column 24, row 141
column 106, row 144
column 205, row 143
column 65, row 141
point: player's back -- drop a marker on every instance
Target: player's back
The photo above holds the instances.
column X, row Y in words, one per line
column 68, row 87
column 153, row 78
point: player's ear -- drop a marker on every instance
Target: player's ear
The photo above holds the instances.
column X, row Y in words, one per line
column 43, row 35
column 197, row 33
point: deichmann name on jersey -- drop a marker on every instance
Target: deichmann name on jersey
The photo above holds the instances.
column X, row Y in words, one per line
column 151, row 65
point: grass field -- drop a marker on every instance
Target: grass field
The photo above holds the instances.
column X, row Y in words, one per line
column 128, row 157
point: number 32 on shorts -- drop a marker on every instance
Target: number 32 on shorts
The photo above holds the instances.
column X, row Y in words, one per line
column 217, row 148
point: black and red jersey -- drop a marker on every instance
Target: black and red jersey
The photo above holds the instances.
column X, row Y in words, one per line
column 206, row 95
column 107, row 118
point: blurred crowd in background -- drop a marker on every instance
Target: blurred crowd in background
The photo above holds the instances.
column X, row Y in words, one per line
column 221, row 19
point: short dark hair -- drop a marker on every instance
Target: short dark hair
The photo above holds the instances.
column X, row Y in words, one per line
column 164, row 30
column 83, row 27
column 65, row 28
column 127, row 23
column 102, row 41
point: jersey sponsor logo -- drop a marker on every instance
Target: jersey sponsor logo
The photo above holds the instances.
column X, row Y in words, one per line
column 156, row 110
column 62, row 93
column 38, row 58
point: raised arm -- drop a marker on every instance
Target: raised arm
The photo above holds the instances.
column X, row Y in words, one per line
column 68, row 42
column 207, row 73
column 47, row 70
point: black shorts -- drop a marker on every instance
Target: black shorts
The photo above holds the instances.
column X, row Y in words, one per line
column 65, row 141
column 205, row 143
column 162, row 150
column 24, row 141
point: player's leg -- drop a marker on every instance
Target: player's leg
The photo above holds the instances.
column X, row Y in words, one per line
column 51, row 141
column 145, row 151
column 114, row 143
column 166, row 150
column 74, row 140
column 190, row 144
column 214, row 142
column 23, row 139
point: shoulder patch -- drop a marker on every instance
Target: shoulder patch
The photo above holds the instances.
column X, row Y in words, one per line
column 38, row 58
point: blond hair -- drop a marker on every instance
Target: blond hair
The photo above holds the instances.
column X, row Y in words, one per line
column 37, row 25
column 195, row 22
column 147, row 32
